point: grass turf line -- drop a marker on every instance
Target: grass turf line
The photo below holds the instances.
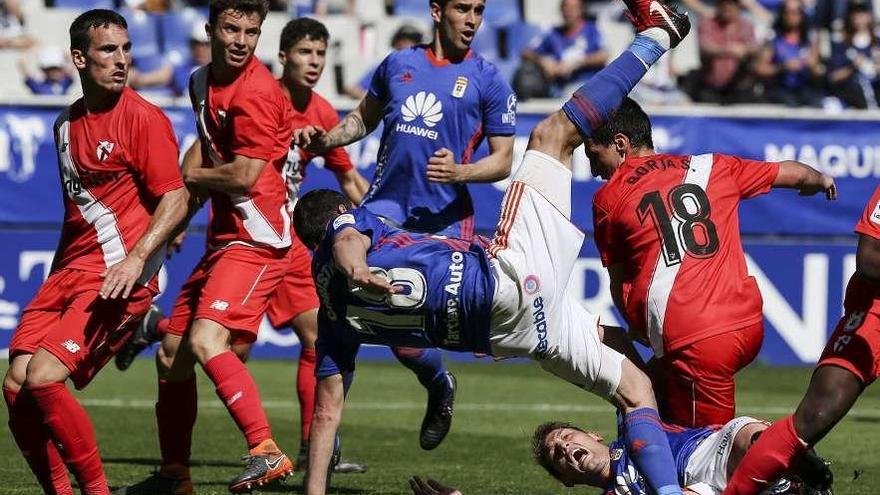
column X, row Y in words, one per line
column 486, row 452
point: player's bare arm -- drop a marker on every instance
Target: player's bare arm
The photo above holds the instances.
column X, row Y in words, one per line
column 353, row 185
column 353, row 127
column 350, row 253
column 556, row 136
column 807, row 180
column 494, row 167
column 868, row 258
column 120, row 278
column 330, row 397
column 236, row 177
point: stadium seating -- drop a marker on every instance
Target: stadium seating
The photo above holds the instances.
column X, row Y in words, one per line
column 175, row 27
column 85, row 4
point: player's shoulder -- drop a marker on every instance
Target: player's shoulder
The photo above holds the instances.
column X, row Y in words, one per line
column 258, row 83
column 138, row 106
column 484, row 67
column 321, row 105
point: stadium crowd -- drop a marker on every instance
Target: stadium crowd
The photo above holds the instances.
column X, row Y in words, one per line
column 798, row 53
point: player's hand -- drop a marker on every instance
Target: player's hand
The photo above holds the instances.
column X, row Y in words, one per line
column 430, row 487
column 826, row 185
column 174, row 245
column 366, row 280
column 443, row 169
column 120, row 278
column 310, row 138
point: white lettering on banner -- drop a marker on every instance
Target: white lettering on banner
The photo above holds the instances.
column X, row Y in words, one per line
column 805, row 335
column 858, row 162
column 28, row 260
column 24, row 135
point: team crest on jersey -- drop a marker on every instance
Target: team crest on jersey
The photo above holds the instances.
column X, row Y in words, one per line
column 875, row 216
column 104, row 150
column 616, row 454
column 531, row 284
column 461, row 84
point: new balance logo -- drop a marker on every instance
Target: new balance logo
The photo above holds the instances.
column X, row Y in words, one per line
column 232, row 400
column 657, row 8
column 219, row 305
column 424, row 105
column 71, row 346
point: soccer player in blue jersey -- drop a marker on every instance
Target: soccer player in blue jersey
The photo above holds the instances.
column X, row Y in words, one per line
column 381, row 284
column 437, row 103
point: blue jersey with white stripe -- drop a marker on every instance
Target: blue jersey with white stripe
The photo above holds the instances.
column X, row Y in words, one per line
column 445, row 302
column 429, row 104
column 626, row 477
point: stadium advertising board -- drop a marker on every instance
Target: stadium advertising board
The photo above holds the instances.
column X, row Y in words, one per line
column 801, row 250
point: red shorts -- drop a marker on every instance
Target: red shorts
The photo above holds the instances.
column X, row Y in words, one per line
column 855, row 345
column 231, row 287
column 698, row 379
column 69, row 319
column 297, row 293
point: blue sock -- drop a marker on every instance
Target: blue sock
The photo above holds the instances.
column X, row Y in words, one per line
column 427, row 364
column 648, row 447
column 598, row 98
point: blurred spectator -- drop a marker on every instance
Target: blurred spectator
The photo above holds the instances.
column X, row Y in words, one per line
column 405, row 37
column 659, row 86
column 12, row 31
column 789, row 65
column 335, row 7
column 727, row 45
column 152, row 6
column 199, row 55
column 54, row 76
column 571, row 53
column 855, row 60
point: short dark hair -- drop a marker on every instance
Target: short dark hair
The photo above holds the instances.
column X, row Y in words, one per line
column 302, row 28
column 441, row 3
column 629, row 120
column 217, row 7
column 314, row 211
column 92, row 19
column 539, row 446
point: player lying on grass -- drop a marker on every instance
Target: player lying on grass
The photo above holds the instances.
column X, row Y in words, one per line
column 705, row 459
column 384, row 285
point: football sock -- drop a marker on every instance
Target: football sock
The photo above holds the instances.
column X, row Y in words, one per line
column 767, row 459
column 305, row 390
column 648, row 446
column 69, row 425
column 34, row 442
column 239, row 393
column 176, row 411
column 598, row 98
column 427, row 364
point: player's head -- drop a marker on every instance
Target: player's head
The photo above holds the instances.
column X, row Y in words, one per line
column 314, row 211
column 234, row 28
column 303, row 52
column 572, row 455
column 627, row 132
column 456, row 22
column 101, row 50
column 572, row 11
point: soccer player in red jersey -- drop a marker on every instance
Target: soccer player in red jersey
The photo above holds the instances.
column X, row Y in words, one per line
column 667, row 230
column 849, row 364
column 124, row 197
column 245, row 126
column 303, row 49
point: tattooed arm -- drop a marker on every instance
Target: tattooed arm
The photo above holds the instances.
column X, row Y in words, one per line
column 354, row 126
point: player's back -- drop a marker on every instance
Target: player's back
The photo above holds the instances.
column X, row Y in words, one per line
column 446, row 295
column 672, row 222
column 431, row 104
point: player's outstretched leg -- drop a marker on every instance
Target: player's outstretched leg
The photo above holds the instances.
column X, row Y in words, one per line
column 147, row 333
column 429, row 368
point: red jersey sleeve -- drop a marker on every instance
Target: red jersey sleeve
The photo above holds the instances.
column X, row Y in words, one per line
column 603, row 231
column 255, row 121
column 337, row 159
column 154, row 152
column 753, row 177
column 869, row 223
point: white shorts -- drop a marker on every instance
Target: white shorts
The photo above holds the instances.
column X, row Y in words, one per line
column 708, row 463
column 533, row 256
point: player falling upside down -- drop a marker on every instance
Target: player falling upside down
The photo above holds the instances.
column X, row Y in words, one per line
column 848, row 365
column 667, row 228
column 384, row 285
column 123, row 197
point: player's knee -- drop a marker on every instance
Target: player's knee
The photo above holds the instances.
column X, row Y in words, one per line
column 243, row 351
column 16, row 373
column 207, row 341
column 42, row 372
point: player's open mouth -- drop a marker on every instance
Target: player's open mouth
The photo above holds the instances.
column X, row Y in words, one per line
column 579, row 457
column 468, row 36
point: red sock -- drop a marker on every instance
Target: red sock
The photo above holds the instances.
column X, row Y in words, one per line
column 237, row 390
column 70, row 426
column 176, row 412
column 305, row 390
column 767, row 460
column 162, row 327
column 35, row 444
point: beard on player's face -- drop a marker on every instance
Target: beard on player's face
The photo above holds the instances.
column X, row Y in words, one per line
column 234, row 38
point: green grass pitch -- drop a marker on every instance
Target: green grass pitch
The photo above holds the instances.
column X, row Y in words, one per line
column 486, row 452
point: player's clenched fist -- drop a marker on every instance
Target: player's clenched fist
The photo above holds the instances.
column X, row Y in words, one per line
column 310, row 138
column 443, row 169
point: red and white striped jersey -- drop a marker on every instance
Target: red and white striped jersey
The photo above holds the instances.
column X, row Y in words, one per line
column 115, row 165
column 248, row 117
column 672, row 223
